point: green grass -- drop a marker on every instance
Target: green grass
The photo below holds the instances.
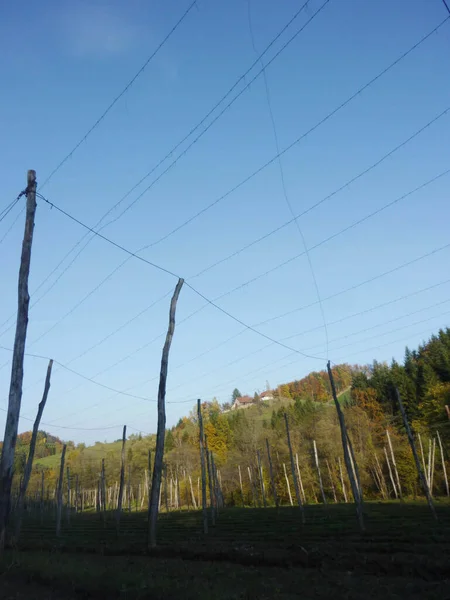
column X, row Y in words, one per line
column 250, row 553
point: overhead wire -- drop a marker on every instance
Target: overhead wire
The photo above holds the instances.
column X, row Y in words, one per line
column 301, row 137
column 119, row 96
column 325, row 198
column 85, row 377
column 278, row 155
column 333, row 236
column 246, row 326
column 168, row 155
column 282, row 177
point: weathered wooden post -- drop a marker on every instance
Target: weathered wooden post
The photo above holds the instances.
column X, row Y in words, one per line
column 161, row 430
column 202, row 466
column 252, row 487
column 444, row 469
column 344, row 436
column 68, row 507
column 288, row 485
column 194, row 502
column 416, row 457
column 103, row 491
column 240, row 485
column 122, row 477
column 394, row 463
column 42, row 495
column 59, row 493
column 261, row 478
column 29, row 464
column 319, row 474
column 294, row 476
column 15, row 388
column 330, row 474
column 129, row 489
column 299, row 474
column 272, row 480
column 394, row 487
column 210, row 483
column 423, row 458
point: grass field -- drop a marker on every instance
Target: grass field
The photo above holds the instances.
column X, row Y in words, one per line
column 250, row 553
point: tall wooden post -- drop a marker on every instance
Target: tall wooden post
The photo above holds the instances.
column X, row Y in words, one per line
column 15, row 388
column 161, row 430
column 122, row 477
column 42, row 496
column 202, row 466
column 299, row 475
column 394, row 463
column 415, row 455
column 59, row 496
column 240, row 485
column 29, row 465
column 344, row 491
column 261, row 478
column 443, row 463
column 68, row 496
column 149, row 475
column 330, row 475
column 77, row 494
column 129, row 488
column 252, row 487
column 272, row 480
column 344, row 436
column 319, row 474
column 394, row 487
column 294, row 475
column 288, row 485
column 210, row 483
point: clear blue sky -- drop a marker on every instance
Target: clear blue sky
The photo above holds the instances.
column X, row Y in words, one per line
column 67, row 61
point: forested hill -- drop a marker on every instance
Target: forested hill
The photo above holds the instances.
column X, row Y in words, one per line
column 235, row 435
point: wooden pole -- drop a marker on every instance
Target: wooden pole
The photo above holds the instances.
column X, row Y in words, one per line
column 444, row 469
column 381, row 477
column 149, row 491
column 29, row 465
column 129, row 488
column 16, row 382
column 288, row 485
column 344, row 492
column 251, row 485
column 59, row 492
column 203, row 466
column 423, row 457
column 433, row 456
column 161, row 430
column 240, row 485
column 294, row 475
column 416, row 457
column 103, row 485
column 122, row 477
column 68, row 496
column 394, row 463
column 299, row 474
column 210, row 483
column 166, row 497
column 194, row 502
column 261, row 478
column 319, row 474
column 344, row 436
column 272, row 480
column 331, row 480
column 394, row 487
column 42, row 495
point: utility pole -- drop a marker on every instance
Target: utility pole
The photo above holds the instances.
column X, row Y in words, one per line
column 15, row 389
